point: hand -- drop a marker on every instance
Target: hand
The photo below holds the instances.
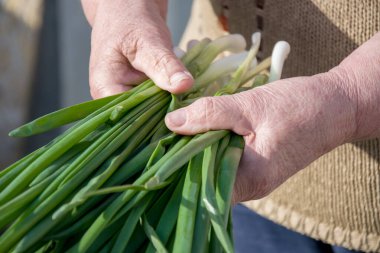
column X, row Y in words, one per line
column 286, row 125
column 290, row 123
column 130, row 40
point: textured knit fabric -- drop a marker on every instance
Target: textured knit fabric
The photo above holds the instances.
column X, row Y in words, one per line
column 337, row 198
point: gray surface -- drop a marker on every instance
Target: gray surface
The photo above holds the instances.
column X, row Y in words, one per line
column 74, row 52
column 178, row 15
column 44, row 96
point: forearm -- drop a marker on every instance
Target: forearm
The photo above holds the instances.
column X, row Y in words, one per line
column 360, row 72
column 90, row 8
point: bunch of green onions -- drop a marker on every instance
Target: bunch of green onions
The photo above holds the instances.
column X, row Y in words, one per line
column 119, row 181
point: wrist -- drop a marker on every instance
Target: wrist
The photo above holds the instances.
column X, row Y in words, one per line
column 339, row 108
column 360, row 71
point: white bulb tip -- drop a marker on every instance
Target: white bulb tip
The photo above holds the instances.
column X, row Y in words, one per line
column 191, row 44
column 281, row 49
column 178, row 52
column 256, row 38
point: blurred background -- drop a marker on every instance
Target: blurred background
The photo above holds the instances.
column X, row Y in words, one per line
column 44, row 54
column 44, row 50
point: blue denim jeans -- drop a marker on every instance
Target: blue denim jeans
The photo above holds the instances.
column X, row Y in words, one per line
column 254, row 233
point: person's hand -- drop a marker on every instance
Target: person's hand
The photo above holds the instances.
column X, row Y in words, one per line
column 286, row 125
column 290, row 123
column 129, row 41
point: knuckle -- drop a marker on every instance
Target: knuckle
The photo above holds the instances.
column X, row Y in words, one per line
column 209, row 104
column 102, row 57
column 243, row 104
column 96, row 88
column 265, row 184
column 161, row 60
column 209, row 107
column 130, row 43
column 95, row 92
column 96, row 73
column 258, row 193
column 146, row 48
column 239, row 194
column 249, row 191
column 211, row 110
column 198, row 112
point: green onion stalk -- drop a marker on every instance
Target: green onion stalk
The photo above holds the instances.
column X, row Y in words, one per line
column 119, row 181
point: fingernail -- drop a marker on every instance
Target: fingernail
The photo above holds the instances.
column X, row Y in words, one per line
column 177, row 118
column 177, row 78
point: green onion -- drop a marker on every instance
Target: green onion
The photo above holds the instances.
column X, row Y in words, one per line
column 119, row 181
column 153, row 237
column 186, row 216
column 61, row 117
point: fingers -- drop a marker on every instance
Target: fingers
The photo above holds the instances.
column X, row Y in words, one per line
column 211, row 113
column 130, row 38
column 158, row 61
column 111, row 74
column 148, row 48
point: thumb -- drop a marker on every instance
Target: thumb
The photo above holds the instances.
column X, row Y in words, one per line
column 210, row 113
column 161, row 64
column 149, row 50
column 111, row 74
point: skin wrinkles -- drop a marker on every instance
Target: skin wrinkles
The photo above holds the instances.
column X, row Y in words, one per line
column 286, row 125
column 130, row 42
column 294, row 122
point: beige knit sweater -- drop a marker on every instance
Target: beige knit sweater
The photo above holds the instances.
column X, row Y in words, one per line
column 337, row 198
